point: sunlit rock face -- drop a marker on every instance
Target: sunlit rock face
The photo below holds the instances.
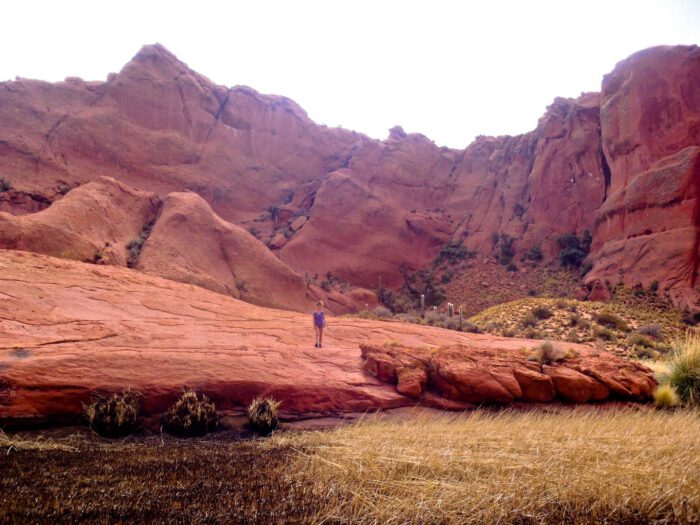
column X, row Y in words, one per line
column 621, row 163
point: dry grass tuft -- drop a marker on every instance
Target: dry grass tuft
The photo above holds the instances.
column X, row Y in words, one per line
column 114, row 415
column 191, row 415
column 546, row 354
column 684, row 369
column 582, row 466
column 18, row 442
column 262, row 415
column 665, row 396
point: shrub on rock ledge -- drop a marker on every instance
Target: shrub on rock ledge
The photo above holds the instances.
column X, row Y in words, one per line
column 191, row 415
column 115, row 415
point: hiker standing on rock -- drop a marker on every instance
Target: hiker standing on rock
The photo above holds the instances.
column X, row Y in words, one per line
column 319, row 323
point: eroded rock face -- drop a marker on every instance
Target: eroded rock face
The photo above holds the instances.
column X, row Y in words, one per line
column 91, row 223
column 622, row 163
column 478, row 375
column 648, row 229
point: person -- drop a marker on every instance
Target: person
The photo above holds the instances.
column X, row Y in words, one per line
column 319, row 323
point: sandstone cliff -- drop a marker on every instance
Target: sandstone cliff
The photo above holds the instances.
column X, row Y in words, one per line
column 621, row 163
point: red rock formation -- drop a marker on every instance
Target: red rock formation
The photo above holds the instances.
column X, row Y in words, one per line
column 191, row 244
column 68, row 329
column 479, row 375
column 94, row 221
column 334, row 200
column 649, row 226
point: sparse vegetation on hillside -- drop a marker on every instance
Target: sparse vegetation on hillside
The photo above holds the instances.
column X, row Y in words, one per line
column 630, row 325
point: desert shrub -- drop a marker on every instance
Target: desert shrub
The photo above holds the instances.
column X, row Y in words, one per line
column 255, row 232
column 641, row 341
column 262, row 415
column 191, row 415
column 531, row 333
column 453, row 252
column 529, row 321
column 422, row 282
column 684, row 369
column 604, row 333
column 470, row 327
column 654, row 286
column 575, row 320
column 651, row 330
column 114, row 415
column 546, row 354
column 511, row 267
column 505, row 249
column 135, row 245
column 610, row 320
column 5, row 185
column 446, row 277
column 561, row 304
column 436, row 319
column 382, row 312
column 643, row 352
column 541, row 312
column 574, row 249
column 534, row 254
column 665, row 396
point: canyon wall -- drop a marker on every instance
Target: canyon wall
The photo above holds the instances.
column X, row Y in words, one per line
column 622, row 164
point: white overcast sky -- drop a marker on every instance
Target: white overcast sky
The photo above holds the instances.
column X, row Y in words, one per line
column 448, row 69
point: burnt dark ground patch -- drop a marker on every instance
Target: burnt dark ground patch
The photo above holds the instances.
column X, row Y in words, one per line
column 193, row 481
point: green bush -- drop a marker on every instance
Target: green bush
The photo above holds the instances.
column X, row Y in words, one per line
column 684, row 369
column 191, row 415
column 574, row 249
column 262, row 415
column 453, row 253
column 114, row 415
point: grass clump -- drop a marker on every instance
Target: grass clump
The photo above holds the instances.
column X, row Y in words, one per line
column 546, row 354
column 610, row 320
column 529, row 321
column 684, row 369
column 262, row 415
column 541, row 312
column 651, row 330
column 114, row 415
column 665, row 396
column 191, row 415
